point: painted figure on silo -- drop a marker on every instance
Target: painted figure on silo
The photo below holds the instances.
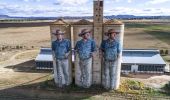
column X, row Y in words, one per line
column 85, row 49
column 110, row 50
column 61, row 50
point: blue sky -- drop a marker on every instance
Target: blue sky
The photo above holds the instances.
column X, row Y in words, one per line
column 52, row 8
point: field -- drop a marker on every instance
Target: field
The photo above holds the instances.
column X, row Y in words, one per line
column 147, row 35
column 20, row 44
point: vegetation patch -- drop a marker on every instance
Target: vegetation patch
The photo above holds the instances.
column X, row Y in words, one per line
column 138, row 90
column 167, row 88
column 136, row 25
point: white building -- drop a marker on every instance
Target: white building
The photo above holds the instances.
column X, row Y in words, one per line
column 146, row 60
column 133, row 60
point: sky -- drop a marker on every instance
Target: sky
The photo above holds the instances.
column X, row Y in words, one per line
column 59, row 8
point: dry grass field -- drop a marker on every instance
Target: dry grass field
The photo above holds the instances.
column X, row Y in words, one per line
column 27, row 36
column 22, row 44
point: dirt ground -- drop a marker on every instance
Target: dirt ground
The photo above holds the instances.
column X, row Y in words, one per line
column 27, row 36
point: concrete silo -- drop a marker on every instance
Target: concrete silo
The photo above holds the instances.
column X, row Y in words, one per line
column 98, row 29
column 65, row 27
column 76, row 28
column 118, row 26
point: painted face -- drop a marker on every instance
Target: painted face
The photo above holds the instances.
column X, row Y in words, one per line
column 86, row 36
column 59, row 36
column 112, row 35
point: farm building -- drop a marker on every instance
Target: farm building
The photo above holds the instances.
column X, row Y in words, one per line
column 44, row 59
column 138, row 60
column 133, row 60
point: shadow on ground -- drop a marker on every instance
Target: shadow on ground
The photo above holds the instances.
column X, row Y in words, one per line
column 28, row 67
column 47, row 90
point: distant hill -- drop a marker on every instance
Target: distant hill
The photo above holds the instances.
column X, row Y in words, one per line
column 87, row 17
column 4, row 16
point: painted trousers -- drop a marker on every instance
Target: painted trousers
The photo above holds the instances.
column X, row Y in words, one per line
column 63, row 72
column 86, row 72
column 109, row 74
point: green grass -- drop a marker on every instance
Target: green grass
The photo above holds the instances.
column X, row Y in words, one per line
column 159, row 27
column 136, row 25
column 167, row 87
column 160, row 31
column 161, row 35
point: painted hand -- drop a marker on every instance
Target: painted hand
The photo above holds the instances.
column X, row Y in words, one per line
column 66, row 55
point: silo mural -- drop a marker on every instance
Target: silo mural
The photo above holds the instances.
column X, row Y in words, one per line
column 64, row 27
column 77, row 27
column 98, row 30
column 118, row 27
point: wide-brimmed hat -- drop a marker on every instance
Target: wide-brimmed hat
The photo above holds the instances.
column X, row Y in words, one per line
column 110, row 31
column 84, row 31
column 58, row 32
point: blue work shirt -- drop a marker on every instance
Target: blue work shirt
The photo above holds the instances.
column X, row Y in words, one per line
column 61, row 48
column 85, row 48
column 111, row 49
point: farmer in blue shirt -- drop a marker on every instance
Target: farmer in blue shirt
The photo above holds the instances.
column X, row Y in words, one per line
column 110, row 50
column 61, row 49
column 85, row 49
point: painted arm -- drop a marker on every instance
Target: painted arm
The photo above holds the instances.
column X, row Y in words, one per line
column 68, row 49
column 94, row 48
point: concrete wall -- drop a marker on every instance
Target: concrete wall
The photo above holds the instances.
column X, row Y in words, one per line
column 98, row 31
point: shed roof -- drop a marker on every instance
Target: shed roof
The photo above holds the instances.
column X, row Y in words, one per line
column 142, row 56
column 129, row 56
column 44, row 55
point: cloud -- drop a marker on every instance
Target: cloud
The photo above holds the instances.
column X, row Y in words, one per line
column 32, row 0
column 137, row 11
column 72, row 2
column 43, row 10
column 75, row 10
column 156, row 1
column 56, row 3
column 117, row 1
column 129, row 1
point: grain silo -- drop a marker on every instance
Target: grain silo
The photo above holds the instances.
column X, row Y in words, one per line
column 77, row 27
column 65, row 27
column 118, row 26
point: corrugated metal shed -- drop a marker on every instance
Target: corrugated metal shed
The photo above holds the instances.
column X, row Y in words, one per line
column 142, row 56
column 44, row 55
column 130, row 56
